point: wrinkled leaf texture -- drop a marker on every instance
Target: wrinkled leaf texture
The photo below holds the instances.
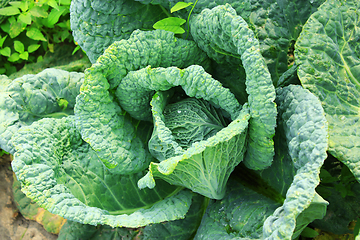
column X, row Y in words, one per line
column 101, row 121
column 34, row 96
column 63, row 174
column 97, row 24
column 328, row 55
column 231, row 34
column 280, row 201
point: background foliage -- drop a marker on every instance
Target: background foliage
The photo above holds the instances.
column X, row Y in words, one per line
column 31, row 28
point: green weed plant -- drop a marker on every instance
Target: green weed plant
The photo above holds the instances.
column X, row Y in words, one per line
column 30, row 29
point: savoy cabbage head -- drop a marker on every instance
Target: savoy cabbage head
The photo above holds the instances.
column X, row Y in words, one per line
column 212, row 136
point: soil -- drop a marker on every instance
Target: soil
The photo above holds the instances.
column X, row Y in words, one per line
column 13, row 226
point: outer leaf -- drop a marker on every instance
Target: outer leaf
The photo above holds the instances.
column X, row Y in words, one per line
column 75, row 231
column 232, row 36
column 328, row 56
column 239, row 215
column 178, row 229
column 96, row 24
column 303, row 122
column 119, row 147
column 276, row 24
column 63, row 174
column 32, row 97
column 30, row 210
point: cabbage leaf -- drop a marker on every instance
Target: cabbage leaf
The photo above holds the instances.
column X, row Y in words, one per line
column 50, row 93
column 66, row 168
column 232, row 35
column 328, row 56
column 96, row 24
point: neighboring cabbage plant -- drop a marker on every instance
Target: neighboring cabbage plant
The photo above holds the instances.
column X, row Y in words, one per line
column 157, row 141
column 50, row 93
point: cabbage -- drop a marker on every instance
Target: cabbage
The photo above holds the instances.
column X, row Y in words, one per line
column 208, row 137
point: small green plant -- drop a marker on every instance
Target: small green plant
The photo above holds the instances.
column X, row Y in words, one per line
column 173, row 24
column 32, row 27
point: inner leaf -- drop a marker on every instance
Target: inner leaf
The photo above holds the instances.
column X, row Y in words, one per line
column 192, row 120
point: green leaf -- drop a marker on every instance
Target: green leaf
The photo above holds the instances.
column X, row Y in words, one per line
column 25, row 18
column 35, row 34
column 327, row 52
column 357, row 227
column 23, row 5
column 24, row 55
column 19, row 46
column 239, row 215
column 309, row 233
column 64, row 35
column 33, row 47
column 9, row 11
column 74, row 230
column 63, row 103
column 54, row 16
column 6, row 51
column 65, row 2
column 325, row 177
column 76, row 49
column 134, row 15
column 96, row 196
column 341, row 210
column 53, row 4
column 64, row 24
column 5, row 26
column 38, row 12
column 171, row 24
column 180, row 5
column 302, row 121
column 16, row 28
column 237, row 45
column 2, row 40
column 18, row 109
column 30, row 210
column 192, row 120
column 179, row 229
column 14, row 57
